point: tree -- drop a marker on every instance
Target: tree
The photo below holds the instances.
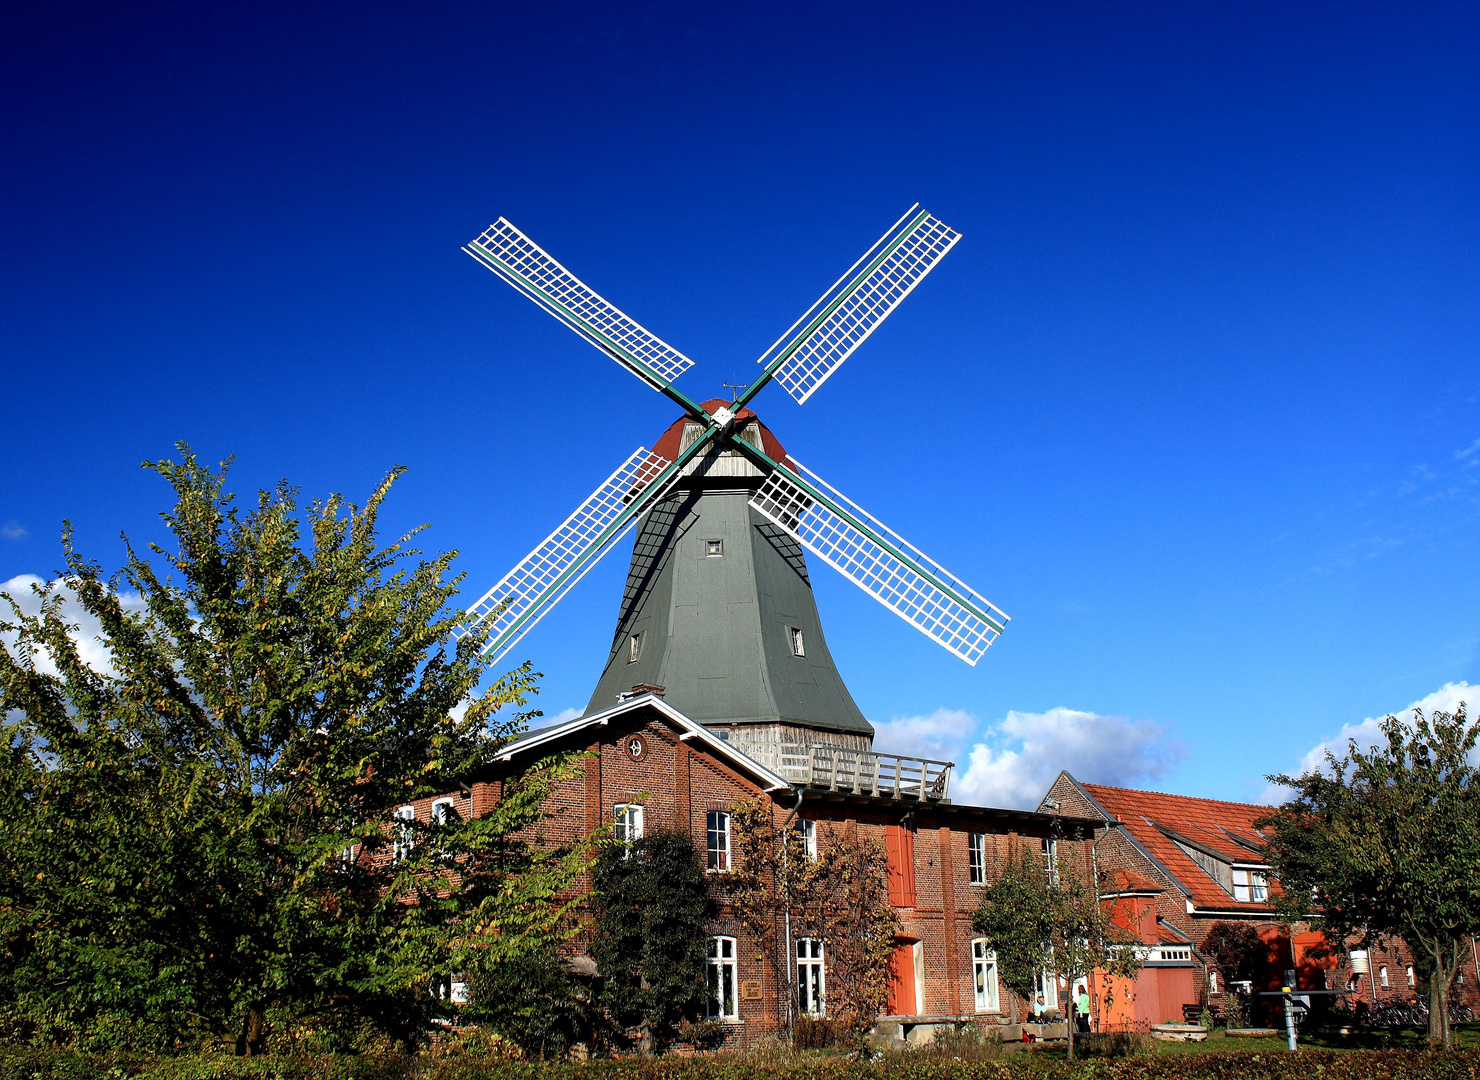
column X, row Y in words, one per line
column 1236, row 949
column 650, row 934
column 841, row 896
column 535, row 1003
column 197, row 837
column 1386, row 842
column 1038, row 921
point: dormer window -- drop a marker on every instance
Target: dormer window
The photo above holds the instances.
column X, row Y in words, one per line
column 1250, row 886
column 634, row 648
column 798, row 646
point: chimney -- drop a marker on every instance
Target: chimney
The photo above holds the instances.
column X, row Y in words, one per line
column 640, row 689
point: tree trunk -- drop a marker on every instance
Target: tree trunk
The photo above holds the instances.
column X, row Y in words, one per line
column 1439, row 980
column 253, row 1033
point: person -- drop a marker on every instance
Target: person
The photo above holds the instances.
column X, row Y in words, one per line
column 1082, row 1003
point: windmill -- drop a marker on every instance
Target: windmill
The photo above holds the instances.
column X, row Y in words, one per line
column 722, row 444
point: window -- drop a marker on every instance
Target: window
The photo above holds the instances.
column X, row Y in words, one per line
column 1250, row 886
column 1382, row 976
column 628, row 825
column 807, row 830
column 1410, row 975
column 976, row 857
column 798, row 646
column 984, row 975
column 718, row 829
column 811, row 981
column 1212, row 982
column 721, row 972
column 713, row 548
column 1354, row 984
column 444, row 812
column 634, row 648
column 405, row 836
column 1051, row 860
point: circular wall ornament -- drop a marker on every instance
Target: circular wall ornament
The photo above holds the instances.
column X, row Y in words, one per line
column 636, row 748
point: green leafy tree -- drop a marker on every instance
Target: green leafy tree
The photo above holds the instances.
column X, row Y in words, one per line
column 1042, row 920
column 653, row 918
column 1386, row 842
column 197, row 837
column 536, row 1003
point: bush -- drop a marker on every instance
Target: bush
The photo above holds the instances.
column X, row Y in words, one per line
column 1113, row 1044
column 813, row 1033
column 23, row 1063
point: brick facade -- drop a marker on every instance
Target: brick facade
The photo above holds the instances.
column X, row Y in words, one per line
column 682, row 772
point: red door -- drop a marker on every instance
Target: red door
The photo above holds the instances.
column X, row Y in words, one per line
column 903, row 999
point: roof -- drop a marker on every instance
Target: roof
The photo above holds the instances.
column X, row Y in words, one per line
column 1164, row 826
column 671, row 440
column 688, row 730
column 1128, row 881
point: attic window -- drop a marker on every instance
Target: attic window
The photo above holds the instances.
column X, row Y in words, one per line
column 1250, row 886
column 798, row 646
column 713, row 548
column 634, row 648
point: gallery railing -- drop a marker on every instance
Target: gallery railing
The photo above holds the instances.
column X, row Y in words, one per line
column 889, row 776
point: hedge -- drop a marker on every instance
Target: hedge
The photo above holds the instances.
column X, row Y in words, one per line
column 31, row 1064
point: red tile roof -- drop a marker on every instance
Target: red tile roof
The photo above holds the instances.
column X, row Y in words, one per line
column 1224, row 829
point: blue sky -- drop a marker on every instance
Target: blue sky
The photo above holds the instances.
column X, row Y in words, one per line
column 1196, row 399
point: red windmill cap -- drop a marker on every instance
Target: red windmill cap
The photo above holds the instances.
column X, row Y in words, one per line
column 669, row 443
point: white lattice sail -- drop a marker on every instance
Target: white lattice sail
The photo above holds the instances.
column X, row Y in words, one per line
column 860, row 300
column 506, row 612
column 529, row 268
column 881, row 562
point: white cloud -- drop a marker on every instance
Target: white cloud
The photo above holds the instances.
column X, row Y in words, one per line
column 559, row 718
column 1011, row 763
column 87, row 632
column 14, row 530
column 1369, row 732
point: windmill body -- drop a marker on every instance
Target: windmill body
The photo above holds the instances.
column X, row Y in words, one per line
column 718, row 611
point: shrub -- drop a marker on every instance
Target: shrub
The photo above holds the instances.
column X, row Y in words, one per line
column 813, row 1033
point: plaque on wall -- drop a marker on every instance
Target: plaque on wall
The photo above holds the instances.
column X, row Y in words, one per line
column 750, row 989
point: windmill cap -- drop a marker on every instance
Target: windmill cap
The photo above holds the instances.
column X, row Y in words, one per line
column 670, row 442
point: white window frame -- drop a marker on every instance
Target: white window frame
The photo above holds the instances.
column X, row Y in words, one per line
column 1212, row 982
column 807, row 830
column 984, row 977
column 1412, row 981
column 440, row 810
column 976, row 857
column 634, row 647
column 1250, row 884
column 720, row 976
column 627, row 822
column 798, row 641
column 403, row 840
column 1051, row 860
column 1382, row 976
column 811, row 977
column 717, row 855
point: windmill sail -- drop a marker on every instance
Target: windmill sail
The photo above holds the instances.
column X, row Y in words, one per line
column 880, row 561
column 526, row 266
column 509, row 610
column 803, row 359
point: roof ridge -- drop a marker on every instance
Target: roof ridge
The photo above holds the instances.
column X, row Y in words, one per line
column 1173, row 795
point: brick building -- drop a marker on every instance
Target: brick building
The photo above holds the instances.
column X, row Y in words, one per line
column 655, row 768
column 1183, row 864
